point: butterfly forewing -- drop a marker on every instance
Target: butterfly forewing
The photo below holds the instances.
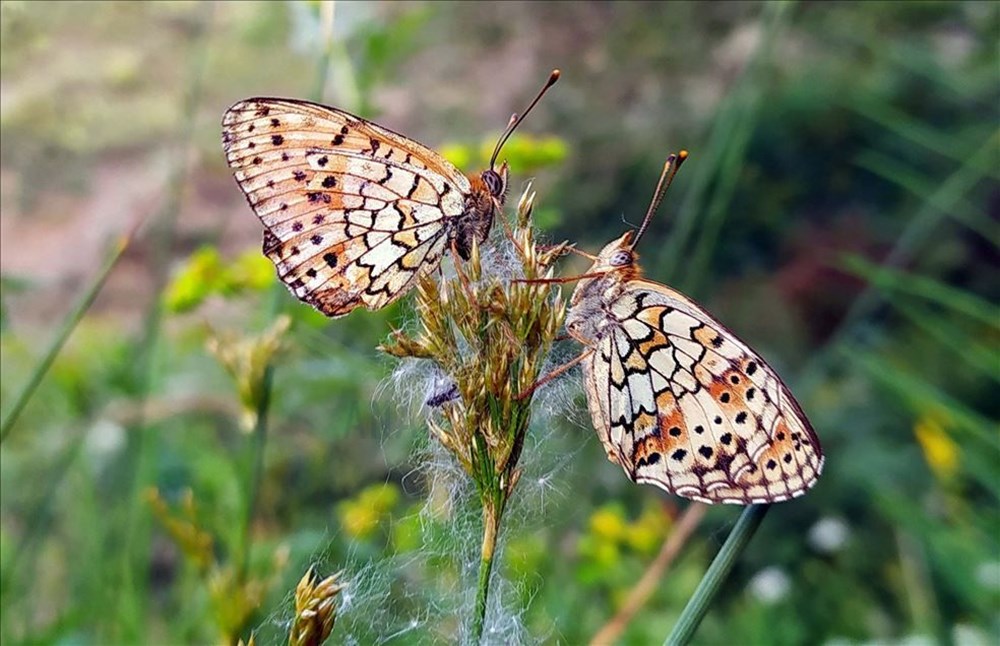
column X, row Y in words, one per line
column 353, row 212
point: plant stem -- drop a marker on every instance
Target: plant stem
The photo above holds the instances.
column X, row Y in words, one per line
column 72, row 320
column 919, row 229
column 257, row 472
column 491, row 526
column 129, row 584
column 717, row 572
column 38, row 522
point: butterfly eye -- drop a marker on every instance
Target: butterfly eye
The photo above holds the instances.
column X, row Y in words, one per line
column 621, row 258
column 494, row 182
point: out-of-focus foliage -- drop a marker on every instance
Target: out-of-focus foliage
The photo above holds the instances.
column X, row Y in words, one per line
column 205, row 273
column 839, row 211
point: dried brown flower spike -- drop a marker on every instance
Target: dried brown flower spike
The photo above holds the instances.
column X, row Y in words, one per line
column 491, row 337
column 315, row 609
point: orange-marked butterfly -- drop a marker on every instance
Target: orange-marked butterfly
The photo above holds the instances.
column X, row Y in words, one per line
column 355, row 213
column 677, row 400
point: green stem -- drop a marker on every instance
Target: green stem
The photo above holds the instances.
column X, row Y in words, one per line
column 72, row 320
column 919, row 230
column 256, row 475
column 717, row 572
column 491, row 526
column 326, row 18
column 38, row 521
column 129, row 584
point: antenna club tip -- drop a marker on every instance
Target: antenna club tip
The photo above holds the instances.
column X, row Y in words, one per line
column 554, row 76
column 675, row 157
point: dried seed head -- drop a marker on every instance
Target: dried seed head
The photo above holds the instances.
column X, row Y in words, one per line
column 315, row 609
column 248, row 359
column 490, row 336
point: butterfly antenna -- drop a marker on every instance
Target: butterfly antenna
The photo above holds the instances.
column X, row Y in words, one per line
column 670, row 168
column 516, row 119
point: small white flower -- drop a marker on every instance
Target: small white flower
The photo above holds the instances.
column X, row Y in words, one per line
column 988, row 575
column 967, row 635
column 770, row 585
column 829, row 535
column 104, row 440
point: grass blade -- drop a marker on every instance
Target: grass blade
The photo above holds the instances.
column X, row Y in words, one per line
column 962, row 210
column 916, row 233
column 65, row 330
column 921, row 396
column 935, row 291
column 717, row 572
column 962, row 343
column 726, row 155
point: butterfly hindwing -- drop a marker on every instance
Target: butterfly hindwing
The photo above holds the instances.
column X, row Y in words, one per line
column 681, row 403
column 353, row 212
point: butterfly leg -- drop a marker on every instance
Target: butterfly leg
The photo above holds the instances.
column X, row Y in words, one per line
column 569, row 249
column 552, row 375
column 462, row 278
column 567, row 279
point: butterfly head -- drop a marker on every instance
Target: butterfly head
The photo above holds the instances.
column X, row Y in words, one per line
column 618, row 258
column 489, row 189
column 496, row 183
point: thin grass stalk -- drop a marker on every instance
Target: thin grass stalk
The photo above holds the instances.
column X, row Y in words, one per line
column 335, row 62
column 905, row 126
column 963, row 210
column 919, row 394
column 749, row 98
column 163, row 233
column 916, row 233
column 39, row 519
column 639, row 595
column 327, row 16
column 734, row 121
column 65, row 330
column 491, row 527
column 978, row 356
column 925, row 612
column 893, row 282
column 716, row 574
column 256, row 474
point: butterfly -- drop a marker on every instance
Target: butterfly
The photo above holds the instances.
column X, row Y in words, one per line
column 353, row 212
column 677, row 400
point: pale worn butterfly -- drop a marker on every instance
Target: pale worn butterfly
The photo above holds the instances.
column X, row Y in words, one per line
column 676, row 398
column 354, row 213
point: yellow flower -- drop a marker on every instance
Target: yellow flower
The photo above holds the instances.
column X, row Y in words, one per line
column 250, row 270
column 361, row 516
column 940, row 451
column 647, row 532
column 607, row 523
column 198, row 278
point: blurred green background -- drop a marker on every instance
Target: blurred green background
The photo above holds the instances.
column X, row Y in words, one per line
column 839, row 211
